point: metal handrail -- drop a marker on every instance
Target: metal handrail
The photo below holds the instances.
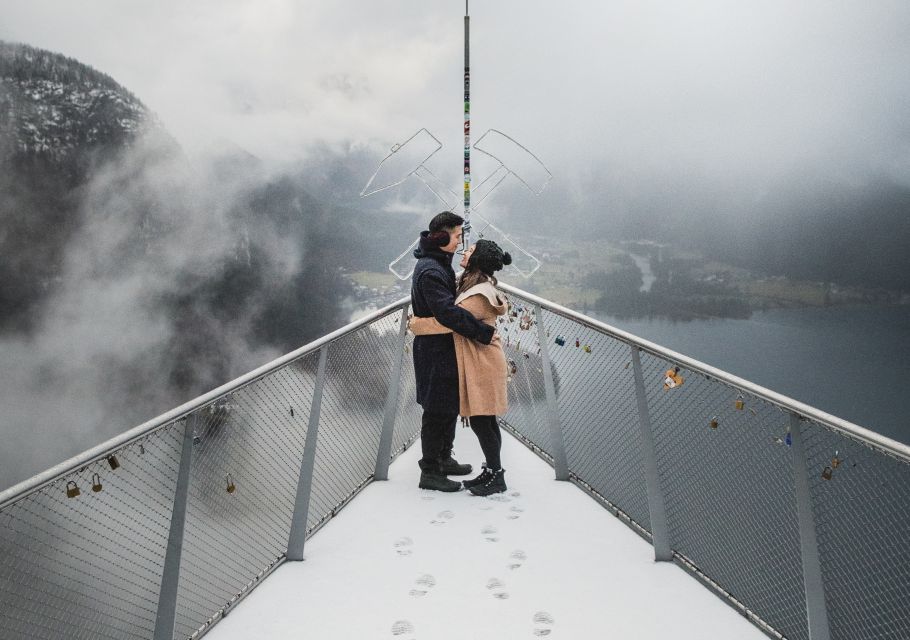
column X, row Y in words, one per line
column 840, row 425
column 784, row 402
column 660, row 469
column 554, row 428
column 104, row 449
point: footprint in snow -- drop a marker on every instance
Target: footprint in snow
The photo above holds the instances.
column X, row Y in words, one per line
column 424, row 584
column 497, row 589
column 442, row 517
column 403, row 546
column 543, row 623
column 489, row 532
column 402, row 627
column 515, row 513
column 517, row 558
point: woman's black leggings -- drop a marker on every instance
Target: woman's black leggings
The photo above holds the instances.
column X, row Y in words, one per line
column 486, row 428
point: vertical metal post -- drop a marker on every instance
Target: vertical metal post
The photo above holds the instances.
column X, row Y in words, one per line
column 557, row 447
column 660, row 532
column 529, row 411
column 816, row 611
column 390, row 412
column 297, row 536
column 166, row 616
column 466, row 238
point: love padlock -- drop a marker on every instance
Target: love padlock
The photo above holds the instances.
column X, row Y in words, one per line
column 72, row 489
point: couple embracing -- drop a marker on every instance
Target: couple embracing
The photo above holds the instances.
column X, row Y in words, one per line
column 459, row 363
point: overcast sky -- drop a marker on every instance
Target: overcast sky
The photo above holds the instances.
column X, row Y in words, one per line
column 725, row 88
column 714, row 96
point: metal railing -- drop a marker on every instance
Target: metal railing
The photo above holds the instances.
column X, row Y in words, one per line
column 159, row 532
column 795, row 517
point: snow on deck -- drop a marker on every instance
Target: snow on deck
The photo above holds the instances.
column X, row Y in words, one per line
column 544, row 559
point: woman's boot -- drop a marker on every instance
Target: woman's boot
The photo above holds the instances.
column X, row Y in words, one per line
column 479, row 480
column 496, row 483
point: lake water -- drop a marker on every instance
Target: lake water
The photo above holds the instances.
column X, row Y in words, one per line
column 852, row 362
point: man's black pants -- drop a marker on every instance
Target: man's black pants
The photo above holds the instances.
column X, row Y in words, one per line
column 437, row 436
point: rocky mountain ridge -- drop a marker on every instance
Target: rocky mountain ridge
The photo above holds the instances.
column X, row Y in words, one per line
column 53, row 105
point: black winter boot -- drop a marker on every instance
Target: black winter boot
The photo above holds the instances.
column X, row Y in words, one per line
column 481, row 479
column 451, row 467
column 435, row 480
column 496, row 483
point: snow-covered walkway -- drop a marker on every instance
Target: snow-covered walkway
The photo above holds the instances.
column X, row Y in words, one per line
column 543, row 559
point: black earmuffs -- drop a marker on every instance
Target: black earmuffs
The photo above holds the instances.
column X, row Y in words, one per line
column 440, row 238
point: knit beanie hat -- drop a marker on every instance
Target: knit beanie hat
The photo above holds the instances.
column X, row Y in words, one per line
column 488, row 257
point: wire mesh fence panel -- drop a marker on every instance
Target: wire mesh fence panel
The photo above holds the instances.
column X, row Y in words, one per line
column 356, row 384
column 82, row 556
column 598, row 411
column 89, row 565
column 247, row 448
column 861, row 503
column 726, row 476
column 527, row 412
column 407, row 419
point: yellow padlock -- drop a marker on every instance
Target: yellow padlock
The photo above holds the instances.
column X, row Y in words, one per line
column 672, row 379
column 96, row 482
column 740, row 404
column 72, row 489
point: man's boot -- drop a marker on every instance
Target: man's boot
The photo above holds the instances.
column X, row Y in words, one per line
column 496, row 483
column 432, row 478
column 479, row 480
column 451, row 466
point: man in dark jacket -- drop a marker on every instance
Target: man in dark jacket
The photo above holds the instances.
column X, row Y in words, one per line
column 435, row 367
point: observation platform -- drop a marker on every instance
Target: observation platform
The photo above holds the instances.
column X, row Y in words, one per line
column 193, row 524
column 541, row 560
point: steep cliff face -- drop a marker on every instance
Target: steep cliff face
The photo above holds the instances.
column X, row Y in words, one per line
column 60, row 121
column 132, row 279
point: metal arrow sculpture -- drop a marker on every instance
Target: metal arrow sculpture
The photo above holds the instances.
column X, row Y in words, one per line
column 511, row 158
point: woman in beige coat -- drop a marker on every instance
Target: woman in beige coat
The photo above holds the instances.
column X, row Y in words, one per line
column 482, row 368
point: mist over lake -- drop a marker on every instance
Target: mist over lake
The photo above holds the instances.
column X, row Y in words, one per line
column 852, row 362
